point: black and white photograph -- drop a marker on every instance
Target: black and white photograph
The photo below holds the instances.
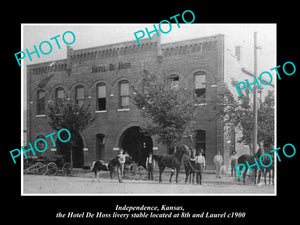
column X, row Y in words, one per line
column 167, row 114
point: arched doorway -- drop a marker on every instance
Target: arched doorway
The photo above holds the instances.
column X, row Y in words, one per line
column 137, row 144
column 64, row 149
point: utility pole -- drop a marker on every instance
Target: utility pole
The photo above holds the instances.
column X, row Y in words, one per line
column 254, row 96
column 254, row 73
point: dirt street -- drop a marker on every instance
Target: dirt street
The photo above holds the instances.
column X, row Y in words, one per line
column 38, row 184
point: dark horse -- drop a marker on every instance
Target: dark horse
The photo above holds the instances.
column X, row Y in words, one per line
column 251, row 160
column 99, row 165
column 189, row 167
column 171, row 161
column 267, row 170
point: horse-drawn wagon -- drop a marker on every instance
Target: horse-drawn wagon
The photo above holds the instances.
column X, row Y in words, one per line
column 130, row 169
column 44, row 166
column 133, row 171
column 141, row 173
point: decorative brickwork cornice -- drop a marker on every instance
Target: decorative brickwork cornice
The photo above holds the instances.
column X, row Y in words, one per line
column 41, row 68
column 202, row 45
column 125, row 48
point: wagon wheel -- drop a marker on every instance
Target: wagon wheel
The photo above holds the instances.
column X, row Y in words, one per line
column 141, row 173
column 51, row 169
column 36, row 168
column 40, row 168
column 29, row 169
column 67, row 169
column 132, row 170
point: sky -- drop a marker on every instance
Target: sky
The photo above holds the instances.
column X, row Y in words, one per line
column 93, row 35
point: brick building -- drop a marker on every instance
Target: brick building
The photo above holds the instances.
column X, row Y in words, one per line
column 103, row 75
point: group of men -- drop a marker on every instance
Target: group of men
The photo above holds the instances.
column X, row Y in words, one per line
column 200, row 160
column 150, row 164
column 196, row 156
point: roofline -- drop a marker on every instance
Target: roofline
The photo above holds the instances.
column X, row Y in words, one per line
column 126, row 44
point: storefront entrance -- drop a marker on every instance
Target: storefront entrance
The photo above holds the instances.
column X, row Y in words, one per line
column 137, row 144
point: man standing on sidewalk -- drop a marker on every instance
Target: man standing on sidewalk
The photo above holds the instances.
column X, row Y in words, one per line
column 150, row 165
column 122, row 158
column 200, row 165
column 218, row 159
column 233, row 162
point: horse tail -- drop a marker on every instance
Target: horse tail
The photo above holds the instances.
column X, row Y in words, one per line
column 93, row 165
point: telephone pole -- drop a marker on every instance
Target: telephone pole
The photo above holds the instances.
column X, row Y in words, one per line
column 254, row 73
column 254, row 95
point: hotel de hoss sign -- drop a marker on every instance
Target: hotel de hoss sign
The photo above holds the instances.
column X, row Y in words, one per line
column 111, row 67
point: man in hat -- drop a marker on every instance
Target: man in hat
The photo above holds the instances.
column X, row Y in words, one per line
column 122, row 158
column 150, row 165
column 200, row 165
column 233, row 162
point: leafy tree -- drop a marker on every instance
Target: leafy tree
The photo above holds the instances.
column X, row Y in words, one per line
column 266, row 119
column 238, row 112
column 72, row 116
column 170, row 108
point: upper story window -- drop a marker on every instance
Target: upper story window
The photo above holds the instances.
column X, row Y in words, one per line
column 101, row 97
column 59, row 95
column 40, row 110
column 200, row 81
column 124, row 94
column 79, row 95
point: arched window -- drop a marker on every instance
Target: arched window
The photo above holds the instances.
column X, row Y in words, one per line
column 79, row 95
column 59, row 95
column 124, row 94
column 101, row 97
column 199, row 81
column 40, row 110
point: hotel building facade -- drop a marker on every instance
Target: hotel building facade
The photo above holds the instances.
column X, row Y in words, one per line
column 103, row 76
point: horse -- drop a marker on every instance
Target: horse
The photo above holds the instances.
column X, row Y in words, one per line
column 99, row 165
column 267, row 170
column 171, row 161
column 189, row 166
column 251, row 160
